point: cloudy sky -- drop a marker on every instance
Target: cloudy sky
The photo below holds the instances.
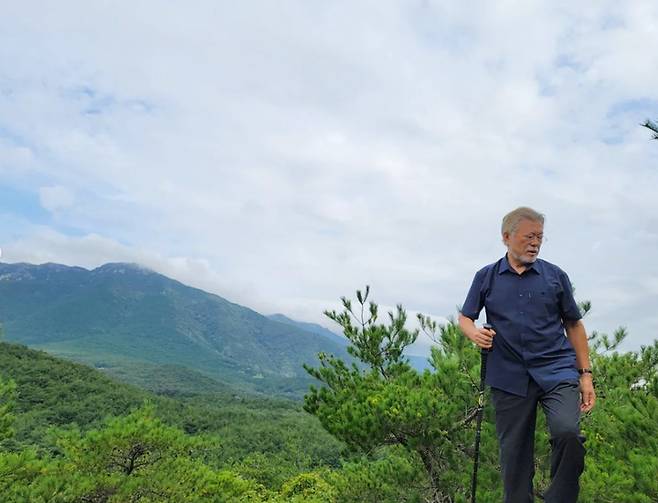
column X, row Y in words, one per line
column 284, row 153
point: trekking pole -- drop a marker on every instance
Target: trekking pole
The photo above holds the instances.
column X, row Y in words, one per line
column 484, row 353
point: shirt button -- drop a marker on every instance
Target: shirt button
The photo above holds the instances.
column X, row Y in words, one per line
column 520, row 295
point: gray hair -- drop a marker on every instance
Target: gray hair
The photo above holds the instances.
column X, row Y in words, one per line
column 512, row 219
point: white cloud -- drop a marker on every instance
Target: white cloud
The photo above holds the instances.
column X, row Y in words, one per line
column 56, row 198
column 44, row 245
column 286, row 154
column 14, row 158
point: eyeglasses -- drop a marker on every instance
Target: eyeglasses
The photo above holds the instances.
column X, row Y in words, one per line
column 531, row 237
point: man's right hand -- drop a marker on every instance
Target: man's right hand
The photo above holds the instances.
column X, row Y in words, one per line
column 483, row 337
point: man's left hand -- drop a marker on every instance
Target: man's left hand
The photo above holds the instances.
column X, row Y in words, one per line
column 587, row 394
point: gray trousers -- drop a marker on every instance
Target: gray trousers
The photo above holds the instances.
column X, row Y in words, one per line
column 515, row 425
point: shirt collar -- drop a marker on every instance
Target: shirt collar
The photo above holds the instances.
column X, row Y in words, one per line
column 504, row 266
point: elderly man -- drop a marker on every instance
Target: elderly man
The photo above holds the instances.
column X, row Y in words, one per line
column 530, row 304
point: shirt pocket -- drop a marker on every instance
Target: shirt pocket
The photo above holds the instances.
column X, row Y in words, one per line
column 543, row 302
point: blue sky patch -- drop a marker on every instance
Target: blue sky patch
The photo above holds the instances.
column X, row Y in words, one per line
column 643, row 107
column 23, row 203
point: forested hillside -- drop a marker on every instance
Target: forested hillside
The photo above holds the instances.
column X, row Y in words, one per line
column 383, row 432
column 123, row 318
column 265, row 440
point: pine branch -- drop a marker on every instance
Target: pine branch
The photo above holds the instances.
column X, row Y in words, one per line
column 652, row 126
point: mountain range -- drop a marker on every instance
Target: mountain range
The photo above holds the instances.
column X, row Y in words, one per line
column 125, row 319
column 135, row 324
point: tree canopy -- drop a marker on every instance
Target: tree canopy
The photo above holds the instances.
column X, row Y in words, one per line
column 429, row 415
column 407, row 435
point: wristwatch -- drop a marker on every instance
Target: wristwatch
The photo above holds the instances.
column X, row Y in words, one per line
column 584, row 371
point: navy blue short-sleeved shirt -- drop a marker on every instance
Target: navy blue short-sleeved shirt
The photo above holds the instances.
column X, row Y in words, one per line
column 527, row 312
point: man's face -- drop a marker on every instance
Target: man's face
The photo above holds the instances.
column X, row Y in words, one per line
column 524, row 243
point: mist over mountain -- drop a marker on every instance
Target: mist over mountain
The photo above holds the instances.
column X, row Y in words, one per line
column 313, row 328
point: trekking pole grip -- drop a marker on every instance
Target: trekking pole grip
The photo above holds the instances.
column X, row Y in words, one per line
column 484, row 354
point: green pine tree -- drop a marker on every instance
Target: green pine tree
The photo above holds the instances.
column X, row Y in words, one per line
column 386, row 402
